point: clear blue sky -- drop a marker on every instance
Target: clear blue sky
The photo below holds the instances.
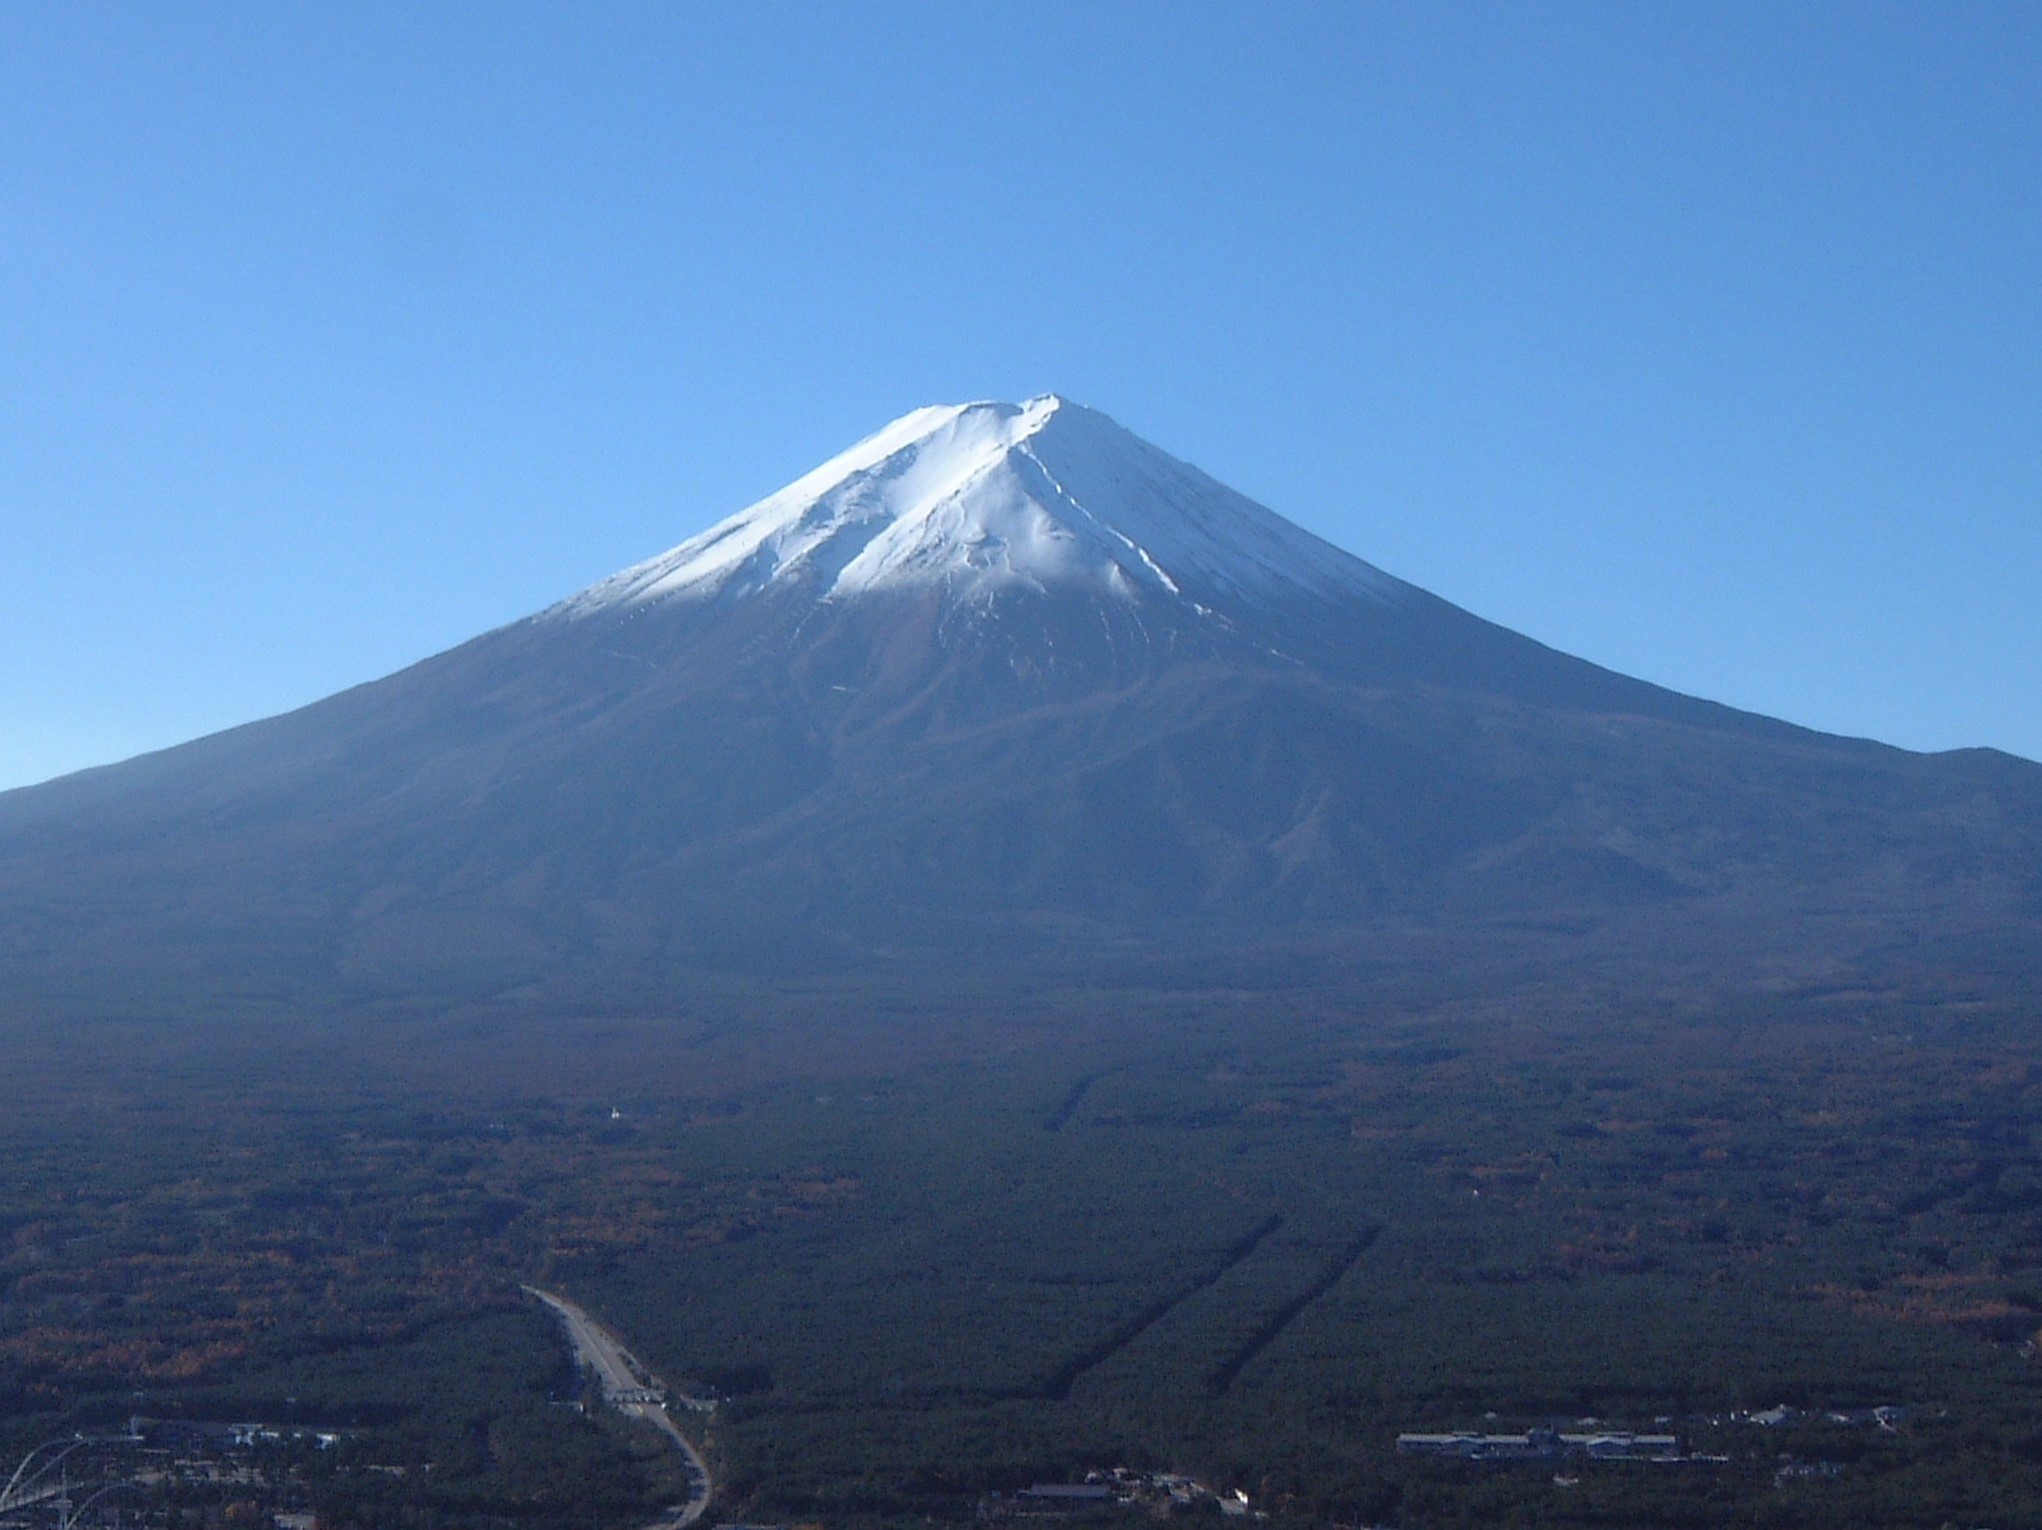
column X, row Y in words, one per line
column 1702, row 341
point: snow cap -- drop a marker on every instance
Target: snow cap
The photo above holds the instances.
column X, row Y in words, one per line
column 976, row 498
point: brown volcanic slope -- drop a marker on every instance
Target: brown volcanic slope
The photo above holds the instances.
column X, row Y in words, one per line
column 1001, row 684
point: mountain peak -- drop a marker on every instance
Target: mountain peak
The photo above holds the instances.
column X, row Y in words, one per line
column 1194, row 733
column 977, row 498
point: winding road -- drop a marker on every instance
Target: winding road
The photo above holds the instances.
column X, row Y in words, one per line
column 630, row 1388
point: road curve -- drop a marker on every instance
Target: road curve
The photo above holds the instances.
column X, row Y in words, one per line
column 630, row 1388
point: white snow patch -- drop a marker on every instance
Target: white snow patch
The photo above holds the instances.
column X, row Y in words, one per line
column 976, row 497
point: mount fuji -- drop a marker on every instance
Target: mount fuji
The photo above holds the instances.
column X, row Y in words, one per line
column 1000, row 678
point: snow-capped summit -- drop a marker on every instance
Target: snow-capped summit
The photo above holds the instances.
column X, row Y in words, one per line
column 975, row 498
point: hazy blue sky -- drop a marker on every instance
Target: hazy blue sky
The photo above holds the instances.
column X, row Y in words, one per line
column 1703, row 341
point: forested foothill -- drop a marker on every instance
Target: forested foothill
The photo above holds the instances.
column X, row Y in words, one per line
column 1247, row 1236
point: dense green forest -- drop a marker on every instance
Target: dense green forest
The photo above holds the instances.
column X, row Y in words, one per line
column 1247, row 1241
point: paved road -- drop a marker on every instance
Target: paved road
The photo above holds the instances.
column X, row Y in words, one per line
column 630, row 1388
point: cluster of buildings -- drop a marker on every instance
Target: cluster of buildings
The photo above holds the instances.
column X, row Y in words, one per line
column 1547, row 1445
column 1115, row 1488
column 89, row 1482
column 1590, row 1442
column 1888, row 1418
